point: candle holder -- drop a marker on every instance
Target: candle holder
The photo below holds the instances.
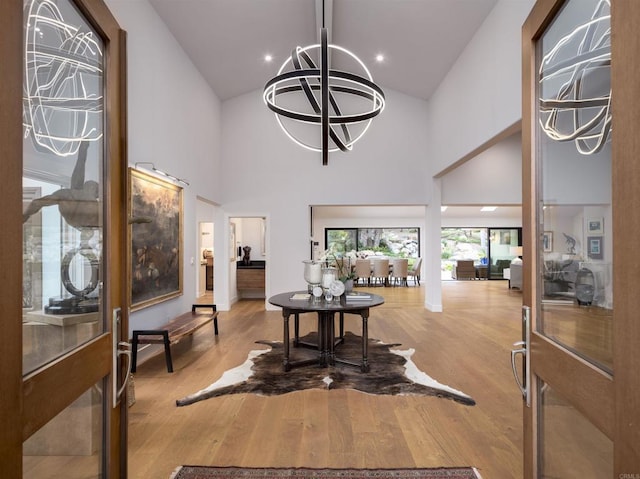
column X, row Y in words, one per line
column 328, row 277
column 312, row 274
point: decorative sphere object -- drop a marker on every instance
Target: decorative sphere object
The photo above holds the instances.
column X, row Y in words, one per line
column 337, row 288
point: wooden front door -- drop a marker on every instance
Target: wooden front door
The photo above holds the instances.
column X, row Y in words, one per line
column 581, row 197
column 62, row 242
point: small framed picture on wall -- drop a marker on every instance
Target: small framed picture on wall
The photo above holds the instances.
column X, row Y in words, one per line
column 595, row 247
column 595, row 226
column 547, row 242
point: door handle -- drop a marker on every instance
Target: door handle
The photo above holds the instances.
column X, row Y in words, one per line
column 514, row 355
column 524, row 384
column 126, row 351
column 120, row 348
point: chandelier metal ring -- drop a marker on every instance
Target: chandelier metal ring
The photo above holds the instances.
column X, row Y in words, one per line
column 299, row 73
column 272, row 90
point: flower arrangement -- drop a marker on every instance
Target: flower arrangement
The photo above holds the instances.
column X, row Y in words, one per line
column 342, row 262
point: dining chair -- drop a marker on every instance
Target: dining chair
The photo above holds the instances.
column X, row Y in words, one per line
column 415, row 271
column 380, row 271
column 399, row 271
column 363, row 271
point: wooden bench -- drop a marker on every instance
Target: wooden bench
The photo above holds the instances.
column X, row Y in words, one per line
column 173, row 332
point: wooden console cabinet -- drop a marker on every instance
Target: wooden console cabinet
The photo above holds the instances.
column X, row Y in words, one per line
column 250, row 278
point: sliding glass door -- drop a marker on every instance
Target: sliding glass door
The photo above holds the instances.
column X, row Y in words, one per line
column 504, row 246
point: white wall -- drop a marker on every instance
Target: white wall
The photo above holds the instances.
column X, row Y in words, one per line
column 174, row 122
column 479, row 222
column 493, row 177
column 481, row 95
column 388, row 164
column 320, row 224
column 267, row 175
column 250, row 234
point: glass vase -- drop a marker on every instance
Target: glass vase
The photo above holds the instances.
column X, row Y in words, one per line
column 312, row 274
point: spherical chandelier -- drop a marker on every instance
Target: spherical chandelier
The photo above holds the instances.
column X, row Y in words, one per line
column 342, row 103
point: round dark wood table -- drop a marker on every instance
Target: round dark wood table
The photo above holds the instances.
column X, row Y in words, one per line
column 326, row 311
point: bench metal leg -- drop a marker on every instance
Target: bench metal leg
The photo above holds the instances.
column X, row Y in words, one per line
column 145, row 332
column 211, row 306
column 167, row 351
column 134, row 352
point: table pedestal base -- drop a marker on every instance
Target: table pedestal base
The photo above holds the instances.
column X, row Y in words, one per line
column 327, row 341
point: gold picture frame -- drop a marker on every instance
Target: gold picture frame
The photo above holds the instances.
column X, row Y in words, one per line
column 155, row 239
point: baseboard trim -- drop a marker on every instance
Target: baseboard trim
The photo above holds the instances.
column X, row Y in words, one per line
column 434, row 308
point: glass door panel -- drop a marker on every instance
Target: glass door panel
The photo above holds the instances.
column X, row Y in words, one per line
column 588, row 454
column 503, row 248
column 63, row 250
column 63, row 175
column 70, row 444
column 71, row 279
column 574, row 161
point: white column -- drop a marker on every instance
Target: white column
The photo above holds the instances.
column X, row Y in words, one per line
column 433, row 283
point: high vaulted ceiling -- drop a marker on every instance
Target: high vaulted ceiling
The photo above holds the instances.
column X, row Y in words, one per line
column 228, row 39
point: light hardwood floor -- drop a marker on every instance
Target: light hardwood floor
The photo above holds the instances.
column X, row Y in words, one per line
column 467, row 347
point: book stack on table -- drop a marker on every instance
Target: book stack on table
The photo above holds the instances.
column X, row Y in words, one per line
column 300, row 297
column 357, row 297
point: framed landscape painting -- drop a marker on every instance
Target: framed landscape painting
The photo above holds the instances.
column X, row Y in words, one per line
column 155, row 232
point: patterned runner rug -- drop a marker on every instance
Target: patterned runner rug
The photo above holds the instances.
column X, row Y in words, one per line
column 205, row 472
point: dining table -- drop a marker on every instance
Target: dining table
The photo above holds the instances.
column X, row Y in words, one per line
column 300, row 302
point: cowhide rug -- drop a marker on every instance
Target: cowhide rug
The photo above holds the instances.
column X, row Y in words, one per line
column 391, row 373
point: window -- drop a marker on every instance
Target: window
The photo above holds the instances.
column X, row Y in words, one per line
column 462, row 243
column 493, row 247
column 392, row 242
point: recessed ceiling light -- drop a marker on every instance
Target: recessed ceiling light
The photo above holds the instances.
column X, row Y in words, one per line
column 488, row 208
column 268, row 58
column 379, row 57
column 443, row 208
